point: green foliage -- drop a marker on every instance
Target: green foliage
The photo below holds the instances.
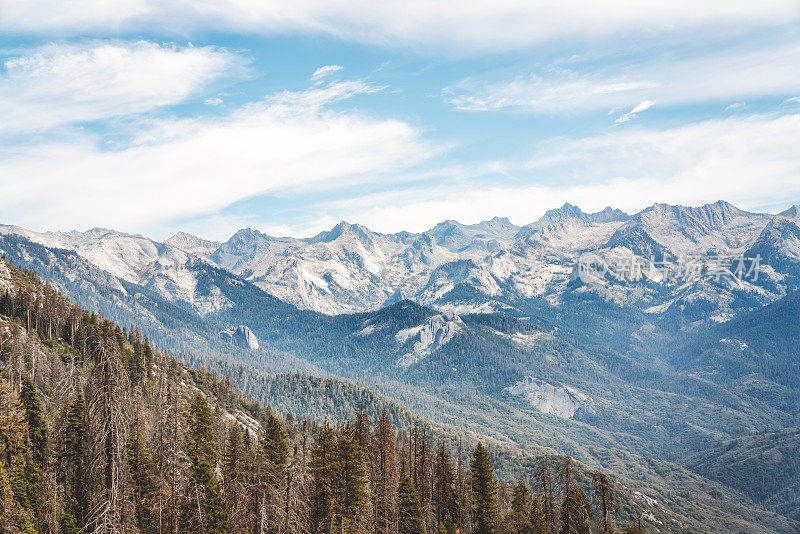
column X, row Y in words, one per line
column 352, row 496
column 276, row 451
column 76, row 500
column 484, row 489
column 204, row 508
column 410, row 511
column 576, row 513
column 323, row 472
column 537, row 518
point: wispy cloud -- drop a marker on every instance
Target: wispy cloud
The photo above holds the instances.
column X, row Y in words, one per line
column 317, row 96
column 727, row 74
column 634, row 113
column 735, row 105
column 63, row 84
column 325, row 71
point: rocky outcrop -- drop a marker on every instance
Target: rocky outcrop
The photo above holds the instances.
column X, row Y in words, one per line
column 562, row 401
column 240, row 335
column 428, row 337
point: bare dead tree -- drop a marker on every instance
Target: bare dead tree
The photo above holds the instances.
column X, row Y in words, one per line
column 107, row 401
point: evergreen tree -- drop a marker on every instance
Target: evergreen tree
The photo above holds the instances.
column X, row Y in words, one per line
column 276, row 451
column 410, row 511
column 76, row 505
column 35, row 460
column 275, row 455
column 576, row 512
column 546, row 486
column 323, row 473
column 204, row 508
column 142, row 471
column 444, row 491
column 538, row 521
column 235, row 479
column 484, row 490
column 14, row 516
column 352, row 495
column 520, row 516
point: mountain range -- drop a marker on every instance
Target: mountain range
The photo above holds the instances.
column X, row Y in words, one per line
column 467, row 268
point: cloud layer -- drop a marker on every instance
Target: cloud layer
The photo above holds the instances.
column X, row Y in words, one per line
column 719, row 75
column 462, row 24
column 56, row 85
column 177, row 167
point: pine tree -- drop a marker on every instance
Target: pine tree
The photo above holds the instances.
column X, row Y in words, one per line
column 142, row 470
column 204, row 508
column 352, row 495
column 323, row 473
column 410, row 511
column 13, row 428
column 275, row 455
column 35, row 460
column 14, row 516
column 444, row 491
column 76, row 505
column 234, row 479
column 484, row 490
column 538, row 521
column 276, row 451
column 520, row 517
column 576, row 512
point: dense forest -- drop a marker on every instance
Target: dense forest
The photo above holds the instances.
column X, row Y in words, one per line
column 100, row 432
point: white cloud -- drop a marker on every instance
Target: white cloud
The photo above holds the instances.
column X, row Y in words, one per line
column 458, row 24
column 735, row 105
column 634, row 113
column 62, row 84
column 325, row 71
column 716, row 76
column 793, row 99
column 312, row 99
column 214, row 101
column 178, row 168
column 749, row 161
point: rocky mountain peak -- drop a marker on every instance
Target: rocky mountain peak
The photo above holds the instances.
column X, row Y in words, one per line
column 792, row 213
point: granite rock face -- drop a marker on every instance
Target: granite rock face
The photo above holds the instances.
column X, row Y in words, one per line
column 240, row 335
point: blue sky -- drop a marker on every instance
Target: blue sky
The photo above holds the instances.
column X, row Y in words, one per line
column 152, row 117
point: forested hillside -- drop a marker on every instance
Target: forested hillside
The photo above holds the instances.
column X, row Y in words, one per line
column 103, row 433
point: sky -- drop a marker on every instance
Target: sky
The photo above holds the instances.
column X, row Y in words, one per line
column 152, row 116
